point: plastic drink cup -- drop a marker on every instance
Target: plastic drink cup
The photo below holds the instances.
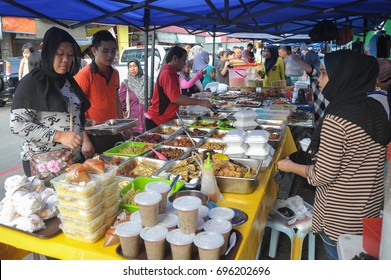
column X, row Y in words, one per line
column 148, row 203
column 221, row 226
column 163, row 188
column 187, row 207
column 155, row 241
column 203, row 212
column 224, row 213
column 129, row 235
column 181, row 244
column 209, row 244
column 170, row 221
column 135, row 217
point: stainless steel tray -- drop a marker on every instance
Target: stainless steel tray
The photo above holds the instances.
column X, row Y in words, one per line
column 125, row 168
column 270, row 122
column 111, row 127
column 191, row 131
column 175, row 137
column 275, row 131
column 113, row 159
column 161, row 148
column 211, row 141
column 218, row 132
column 141, row 138
column 176, row 122
column 240, row 185
column 165, row 129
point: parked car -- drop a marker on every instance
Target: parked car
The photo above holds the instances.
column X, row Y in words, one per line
column 9, row 68
column 139, row 53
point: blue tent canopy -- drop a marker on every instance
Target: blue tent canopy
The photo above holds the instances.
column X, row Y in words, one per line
column 277, row 17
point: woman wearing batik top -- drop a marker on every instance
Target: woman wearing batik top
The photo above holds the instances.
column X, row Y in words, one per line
column 350, row 143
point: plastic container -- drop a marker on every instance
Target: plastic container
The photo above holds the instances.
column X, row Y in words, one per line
column 82, row 190
column 129, row 235
column 81, row 203
column 246, row 125
column 112, row 210
column 203, row 212
column 107, row 177
column 221, row 226
column 80, row 214
column 181, row 244
column 236, row 77
column 234, row 138
column 154, row 240
column 110, row 201
column 224, row 213
column 209, row 244
column 119, row 150
column 372, row 228
column 111, row 188
column 169, row 221
column 86, row 227
column 148, row 202
column 187, row 211
column 82, row 236
column 208, row 181
column 135, row 216
column 161, row 187
column 248, row 115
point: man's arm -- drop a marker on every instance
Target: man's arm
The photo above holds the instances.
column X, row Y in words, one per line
column 184, row 100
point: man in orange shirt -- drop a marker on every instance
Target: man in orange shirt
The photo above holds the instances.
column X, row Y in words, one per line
column 100, row 82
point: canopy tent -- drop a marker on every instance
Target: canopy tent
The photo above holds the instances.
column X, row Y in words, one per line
column 275, row 17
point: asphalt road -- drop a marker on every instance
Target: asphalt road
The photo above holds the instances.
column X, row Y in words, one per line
column 10, row 162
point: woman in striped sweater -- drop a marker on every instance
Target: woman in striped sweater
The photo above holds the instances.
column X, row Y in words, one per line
column 350, row 143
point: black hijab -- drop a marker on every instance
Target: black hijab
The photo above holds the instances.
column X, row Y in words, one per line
column 351, row 77
column 270, row 62
column 40, row 88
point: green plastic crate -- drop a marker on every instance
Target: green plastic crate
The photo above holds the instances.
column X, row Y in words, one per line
column 116, row 150
column 139, row 184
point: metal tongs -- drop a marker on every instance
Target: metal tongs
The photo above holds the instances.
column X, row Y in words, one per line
column 184, row 128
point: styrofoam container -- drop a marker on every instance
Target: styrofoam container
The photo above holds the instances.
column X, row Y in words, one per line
column 235, row 152
column 258, row 153
column 248, row 115
column 235, row 135
column 257, row 137
column 246, row 125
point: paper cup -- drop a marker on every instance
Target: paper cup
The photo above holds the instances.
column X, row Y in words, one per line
column 148, row 203
column 129, row 235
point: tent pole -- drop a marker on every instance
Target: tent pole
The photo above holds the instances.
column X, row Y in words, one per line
column 151, row 86
column 214, row 45
column 146, row 28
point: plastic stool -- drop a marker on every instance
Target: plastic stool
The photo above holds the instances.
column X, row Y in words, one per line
column 295, row 235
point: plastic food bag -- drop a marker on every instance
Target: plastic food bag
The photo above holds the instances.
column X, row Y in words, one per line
column 111, row 238
column 292, row 209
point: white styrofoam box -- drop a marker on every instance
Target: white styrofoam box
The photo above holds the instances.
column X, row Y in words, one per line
column 257, row 137
column 258, row 153
column 235, row 151
column 234, row 137
column 248, row 115
column 247, row 125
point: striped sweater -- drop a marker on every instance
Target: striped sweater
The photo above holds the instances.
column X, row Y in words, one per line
column 348, row 176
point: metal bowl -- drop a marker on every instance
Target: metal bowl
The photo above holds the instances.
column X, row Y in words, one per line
column 204, row 198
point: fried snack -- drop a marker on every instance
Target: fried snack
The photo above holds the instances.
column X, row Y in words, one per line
column 77, row 173
column 95, row 165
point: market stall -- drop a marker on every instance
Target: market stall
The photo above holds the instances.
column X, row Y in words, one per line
column 256, row 205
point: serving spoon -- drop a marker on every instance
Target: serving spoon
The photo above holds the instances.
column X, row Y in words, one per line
column 159, row 154
column 232, row 242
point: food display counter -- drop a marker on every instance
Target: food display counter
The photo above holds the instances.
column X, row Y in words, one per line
column 257, row 205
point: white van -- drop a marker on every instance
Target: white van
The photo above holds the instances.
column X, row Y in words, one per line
column 139, row 53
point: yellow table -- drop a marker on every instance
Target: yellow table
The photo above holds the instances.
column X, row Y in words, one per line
column 257, row 205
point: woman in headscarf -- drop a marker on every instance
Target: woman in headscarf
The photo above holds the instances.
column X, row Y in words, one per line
column 131, row 94
column 350, row 143
column 273, row 68
column 311, row 65
column 190, row 85
column 201, row 61
column 210, row 76
column 45, row 99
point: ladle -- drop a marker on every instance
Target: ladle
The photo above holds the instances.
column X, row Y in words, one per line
column 159, row 155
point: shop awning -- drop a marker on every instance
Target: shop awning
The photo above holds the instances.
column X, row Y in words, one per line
column 18, row 25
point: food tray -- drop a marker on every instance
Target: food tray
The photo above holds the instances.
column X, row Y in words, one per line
column 270, row 122
column 194, row 256
column 204, row 123
column 176, row 122
column 248, row 103
column 132, row 163
column 173, row 138
column 164, row 148
column 166, row 129
column 211, row 141
column 240, row 185
column 193, row 131
column 111, row 127
column 165, row 173
column 113, row 159
column 218, row 133
column 139, row 184
column 117, row 149
column 151, row 138
column 51, row 229
column 275, row 131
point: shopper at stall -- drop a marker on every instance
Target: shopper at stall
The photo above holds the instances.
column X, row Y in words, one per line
column 222, row 72
column 100, row 82
column 167, row 94
column 201, row 61
column 190, row 85
column 210, row 76
column 350, row 145
column 311, row 65
column 40, row 111
column 273, row 68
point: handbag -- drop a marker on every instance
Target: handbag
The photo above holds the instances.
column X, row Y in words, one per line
column 325, row 30
column 50, row 164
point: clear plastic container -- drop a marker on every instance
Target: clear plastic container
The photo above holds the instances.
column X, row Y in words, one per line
column 86, row 227
column 248, row 115
column 111, row 188
column 113, row 209
column 81, row 203
column 80, row 214
column 257, row 137
column 111, row 200
column 224, row 213
column 81, row 190
column 107, row 177
column 82, row 236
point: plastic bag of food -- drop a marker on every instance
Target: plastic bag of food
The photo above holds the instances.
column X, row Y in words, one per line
column 110, row 237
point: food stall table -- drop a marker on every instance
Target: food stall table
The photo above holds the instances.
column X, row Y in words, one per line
column 257, row 205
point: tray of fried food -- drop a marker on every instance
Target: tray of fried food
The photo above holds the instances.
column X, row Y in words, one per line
column 171, row 153
column 181, row 141
column 213, row 144
column 166, row 129
column 152, row 138
column 140, row 166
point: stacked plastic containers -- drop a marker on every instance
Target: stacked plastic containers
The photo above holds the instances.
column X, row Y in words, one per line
column 245, row 120
column 236, row 148
column 84, row 206
column 258, row 144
